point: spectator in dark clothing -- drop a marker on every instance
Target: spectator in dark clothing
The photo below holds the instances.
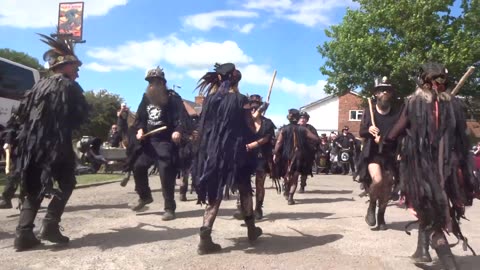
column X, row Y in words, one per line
column 93, row 155
column 114, row 137
column 346, row 140
column 122, row 117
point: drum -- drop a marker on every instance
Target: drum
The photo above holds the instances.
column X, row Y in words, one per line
column 344, row 155
column 322, row 161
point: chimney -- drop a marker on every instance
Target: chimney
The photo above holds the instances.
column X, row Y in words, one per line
column 199, row 100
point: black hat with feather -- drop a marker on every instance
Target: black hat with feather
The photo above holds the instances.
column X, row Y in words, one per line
column 61, row 52
column 212, row 80
column 155, row 73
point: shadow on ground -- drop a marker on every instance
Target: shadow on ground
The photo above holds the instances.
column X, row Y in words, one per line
column 125, row 237
column 323, row 200
column 6, row 235
column 279, row 244
column 400, row 225
column 328, row 191
column 74, row 208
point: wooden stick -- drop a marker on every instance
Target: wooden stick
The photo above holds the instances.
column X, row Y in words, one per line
column 372, row 117
column 271, row 85
column 7, row 160
column 154, row 131
column 370, row 106
column 463, row 80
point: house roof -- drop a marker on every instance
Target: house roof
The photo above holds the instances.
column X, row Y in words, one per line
column 190, row 105
column 474, row 128
column 325, row 99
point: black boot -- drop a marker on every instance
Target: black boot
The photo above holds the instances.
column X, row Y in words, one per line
column 370, row 217
column 381, row 225
column 444, row 252
column 421, row 254
column 206, row 244
column 258, row 210
column 183, row 193
column 50, row 231
column 141, row 203
column 301, row 189
column 291, row 201
column 253, row 231
column 5, row 203
column 24, row 237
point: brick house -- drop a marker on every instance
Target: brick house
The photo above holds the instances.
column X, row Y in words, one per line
column 334, row 112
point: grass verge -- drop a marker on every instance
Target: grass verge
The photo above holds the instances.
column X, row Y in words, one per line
column 83, row 179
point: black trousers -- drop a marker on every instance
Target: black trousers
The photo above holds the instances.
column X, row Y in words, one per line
column 11, row 186
column 162, row 153
column 64, row 174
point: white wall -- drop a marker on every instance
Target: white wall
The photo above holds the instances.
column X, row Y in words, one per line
column 324, row 116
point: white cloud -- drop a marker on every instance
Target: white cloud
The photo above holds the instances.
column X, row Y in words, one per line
column 260, row 75
column 247, row 28
column 38, row 14
column 268, row 4
column 143, row 54
column 207, row 21
column 307, row 12
column 195, row 58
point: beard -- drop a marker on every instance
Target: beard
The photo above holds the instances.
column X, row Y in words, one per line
column 384, row 103
column 157, row 94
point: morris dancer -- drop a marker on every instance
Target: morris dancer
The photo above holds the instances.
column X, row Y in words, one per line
column 159, row 107
column 290, row 153
column 263, row 149
column 376, row 169
column 435, row 175
column 310, row 151
column 48, row 114
column 188, row 150
column 226, row 127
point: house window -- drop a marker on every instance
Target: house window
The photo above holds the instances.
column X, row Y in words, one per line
column 355, row 115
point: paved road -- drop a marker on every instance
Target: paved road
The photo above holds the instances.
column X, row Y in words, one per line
column 324, row 230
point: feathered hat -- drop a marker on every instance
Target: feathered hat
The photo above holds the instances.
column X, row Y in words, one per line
column 61, row 52
column 155, row 73
column 433, row 71
column 228, row 73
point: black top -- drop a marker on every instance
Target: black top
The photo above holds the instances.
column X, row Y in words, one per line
column 173, row 115
column 114, row 139
column 267, row 129
column 384, row 123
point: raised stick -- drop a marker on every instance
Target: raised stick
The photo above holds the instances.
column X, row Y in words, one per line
column 370, row 106
column 463, row 80
column 271, row 85
column 372, row 116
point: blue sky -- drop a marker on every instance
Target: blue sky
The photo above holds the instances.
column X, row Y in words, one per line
column 185, row 38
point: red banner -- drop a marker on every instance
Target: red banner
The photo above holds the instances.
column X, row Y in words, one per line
column 70, row 20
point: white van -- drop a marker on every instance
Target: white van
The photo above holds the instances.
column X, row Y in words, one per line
column 15, row 79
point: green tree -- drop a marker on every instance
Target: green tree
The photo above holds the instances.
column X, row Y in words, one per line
column 393, row 37
column 102, row 114
column 23, row 59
